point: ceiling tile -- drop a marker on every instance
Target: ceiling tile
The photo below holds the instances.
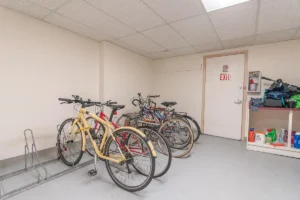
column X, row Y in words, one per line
column 73, row 26
column 50, row 4
column 173, row 10
column 297, row 36
column 26, row 7
column 275, row 36
column 162, row 54
column 131, row 12
column 208, row 47
column 235, row 21
column 183, row 51
column 90, row 16
column 277, row 15
column 121, row 43
column 239, row 42
column 143, row 43
column 196, row 30
column 166, row 37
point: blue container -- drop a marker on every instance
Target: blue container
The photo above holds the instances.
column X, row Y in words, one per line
column 297, row 141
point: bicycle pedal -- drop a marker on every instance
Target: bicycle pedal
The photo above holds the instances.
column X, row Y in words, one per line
column 92, row 172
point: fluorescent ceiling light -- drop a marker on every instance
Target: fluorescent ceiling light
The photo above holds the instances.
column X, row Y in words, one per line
column 211, row 5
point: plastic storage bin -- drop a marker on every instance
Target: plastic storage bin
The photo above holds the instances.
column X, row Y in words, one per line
column 297, row 140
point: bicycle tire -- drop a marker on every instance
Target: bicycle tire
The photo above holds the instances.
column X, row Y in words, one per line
column 119, row 120
column 60, row 150
column 109, row 169
column 197, row 132
column 190, row 141
column 186, row 118
column 168, row 152
column 89, row 147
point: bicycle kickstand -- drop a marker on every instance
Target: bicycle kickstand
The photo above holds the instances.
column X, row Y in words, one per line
column 94, row 171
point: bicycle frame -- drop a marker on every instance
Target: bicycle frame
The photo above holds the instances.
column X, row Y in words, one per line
column 84, row 127
column 103, row 116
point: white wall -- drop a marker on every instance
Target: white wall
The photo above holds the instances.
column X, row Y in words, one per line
column 39, row 63
column 125, row 74
column 180, row 78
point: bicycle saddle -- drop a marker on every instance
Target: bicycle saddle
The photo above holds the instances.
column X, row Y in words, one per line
column 116, row 107
column 169, row 103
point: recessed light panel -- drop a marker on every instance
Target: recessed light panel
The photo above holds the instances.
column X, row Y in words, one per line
column 211, row 5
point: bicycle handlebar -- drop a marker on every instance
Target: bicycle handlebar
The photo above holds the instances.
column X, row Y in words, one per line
column 153, row 96
column 134, row 101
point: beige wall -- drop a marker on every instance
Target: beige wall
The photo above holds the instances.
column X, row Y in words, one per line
column 40, row 62
column 125, row 74
column 180, row 78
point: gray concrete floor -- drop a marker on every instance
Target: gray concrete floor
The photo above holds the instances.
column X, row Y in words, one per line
column 217, row 169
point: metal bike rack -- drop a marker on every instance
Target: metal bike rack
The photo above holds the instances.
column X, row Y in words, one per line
column 31, row 155
column 29, row 159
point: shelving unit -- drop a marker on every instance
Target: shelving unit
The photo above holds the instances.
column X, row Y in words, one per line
column 287, row 150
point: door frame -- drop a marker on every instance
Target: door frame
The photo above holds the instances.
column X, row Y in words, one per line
column 244, row 104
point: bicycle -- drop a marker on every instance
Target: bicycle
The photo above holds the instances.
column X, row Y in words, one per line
column 174, row 129
column 188, row 119
column 163, row 151
column 113, row 150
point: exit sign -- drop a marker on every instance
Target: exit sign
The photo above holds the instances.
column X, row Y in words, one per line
column 225, row 77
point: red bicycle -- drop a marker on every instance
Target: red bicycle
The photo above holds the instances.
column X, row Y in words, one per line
column 98, row 129
column 125, row 140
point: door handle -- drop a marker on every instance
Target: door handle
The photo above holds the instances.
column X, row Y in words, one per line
column 238, row 102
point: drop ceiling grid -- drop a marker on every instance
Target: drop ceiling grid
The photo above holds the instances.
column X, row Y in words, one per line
column 155, row 40
column 167, row 24
column 49, row 4
column 174, row 10
column 134, row 13
column 26, row 7
column 166, row 37
column 143, row 43
column 278, row 15
column 76, row 27
column 275, row 36
column 235, row 21
column 136, row 30
column 197, row 30
column 94, row 18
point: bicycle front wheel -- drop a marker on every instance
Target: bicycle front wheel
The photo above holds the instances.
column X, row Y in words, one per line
column 162, row 148
column 179, row 136
column 138, row 156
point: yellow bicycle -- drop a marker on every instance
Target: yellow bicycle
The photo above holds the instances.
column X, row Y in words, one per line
column 124, row 158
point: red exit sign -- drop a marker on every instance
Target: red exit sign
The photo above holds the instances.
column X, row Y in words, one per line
column 224, row 77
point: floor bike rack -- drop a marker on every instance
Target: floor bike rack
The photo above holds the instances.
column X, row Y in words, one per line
column 29, row 156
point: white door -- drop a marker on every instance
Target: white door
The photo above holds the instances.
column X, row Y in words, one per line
column 224, row 96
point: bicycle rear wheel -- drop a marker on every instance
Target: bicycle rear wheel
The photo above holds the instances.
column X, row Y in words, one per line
column 69, row 143
column 179, row 136
column 163, row 151
column 124, row 174
column 194, row 126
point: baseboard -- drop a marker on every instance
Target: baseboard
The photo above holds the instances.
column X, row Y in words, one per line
column 18, row 159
